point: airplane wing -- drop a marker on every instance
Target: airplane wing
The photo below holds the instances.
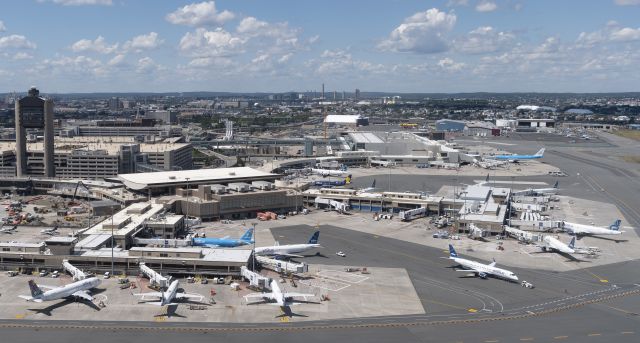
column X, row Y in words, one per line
column 289, row 255
column 298, row 295
column 225, row 237
column 189, row 296
column 468, row 270
column 84, row 295
column 144, row 296
column 258, row 296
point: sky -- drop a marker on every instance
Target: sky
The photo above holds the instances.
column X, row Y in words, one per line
column 448, row 46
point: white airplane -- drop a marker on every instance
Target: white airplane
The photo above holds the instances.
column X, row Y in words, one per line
column 327, row 172
column 290, row 249
column 586, row 230
column 9, row 229
column 539, row 191
column 277, row 297
column 480, row 269
column 169, row 295
column 52, row 231
column 78, row 289
column 554, row 244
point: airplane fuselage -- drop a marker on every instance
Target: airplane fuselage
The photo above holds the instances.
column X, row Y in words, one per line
column 485, row 269
column 70, row 289
column 285, row 249
column 225, row 243
column 555, row 244
column 581, row 229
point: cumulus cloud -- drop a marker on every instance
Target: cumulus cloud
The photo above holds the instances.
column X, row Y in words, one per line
column 117, row 60
column 16, row 42
column 627, row 2
column 341, row 62
column 81, row 2
column 612, row 32
column 143, row 42
column 99, row 45
column 625, row 34
column 486, row 6
column 147, row 65
column 216, row 43
column 448, row 64
column 422, row 33
column 484, row 39
column 199, row 14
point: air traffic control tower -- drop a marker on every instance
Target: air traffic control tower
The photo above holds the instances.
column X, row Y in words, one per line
column 34, row 112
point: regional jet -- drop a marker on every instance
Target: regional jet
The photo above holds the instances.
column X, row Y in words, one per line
column 515, row 158
column 368, row 189
column 79, row 289
column 9, row 229
column 554, row 244
column 52, row 231
column 328, row 172
column 277, row 297
column 168, row 296
column 480, row 269
column 539, row 191
column 290, row 250
column 588, row 230
column 225, row 242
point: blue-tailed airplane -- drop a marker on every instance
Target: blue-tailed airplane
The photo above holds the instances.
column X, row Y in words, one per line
column 516, row 158
column 225, row 242
column 332, row 183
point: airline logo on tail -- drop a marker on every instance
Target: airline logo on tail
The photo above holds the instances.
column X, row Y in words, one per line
column 343, row 167
column 36, row 292
column 540, row 152
column 452, row 251
column 248, row 236
column 347, row 180
column 314, row 238
column 616, row 225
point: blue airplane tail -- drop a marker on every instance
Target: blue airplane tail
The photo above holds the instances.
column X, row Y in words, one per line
column 616, row 225
column 314, row 238
column 452, row 251
column 248, row 236
column 572, row 244
column 343, row 167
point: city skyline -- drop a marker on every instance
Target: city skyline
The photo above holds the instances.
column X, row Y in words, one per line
column 255, row 46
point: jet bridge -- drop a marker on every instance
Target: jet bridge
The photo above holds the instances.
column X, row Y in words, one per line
column 155, row 277
column 76, row 273
column 282, row 266
column 254, row 278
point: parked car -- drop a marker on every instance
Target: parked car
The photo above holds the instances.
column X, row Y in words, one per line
column 341, row 254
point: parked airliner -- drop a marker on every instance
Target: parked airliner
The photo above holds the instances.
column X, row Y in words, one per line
column 290, row 250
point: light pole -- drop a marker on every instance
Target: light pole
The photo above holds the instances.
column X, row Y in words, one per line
column 253, row 260
column 112, row 240
column 186, row 178
column 511, row 199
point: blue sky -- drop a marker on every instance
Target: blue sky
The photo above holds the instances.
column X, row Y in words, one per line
column 282, row 45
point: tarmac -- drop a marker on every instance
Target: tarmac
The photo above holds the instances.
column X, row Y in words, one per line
column 569, row 306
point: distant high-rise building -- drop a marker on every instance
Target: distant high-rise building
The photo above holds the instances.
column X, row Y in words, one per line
column 323, row 91
column 114, row 104
column 335, row 95
column 34, row 112
column 357, row 94
column 344, row 96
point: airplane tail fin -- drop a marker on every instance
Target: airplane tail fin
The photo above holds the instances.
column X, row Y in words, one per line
column 343, row 167
column 540, row 152
column 572, row 244
column 486, row 180
column 314, row 238
column 347, row 179
column 452, row 251
column 616, row 225
column 555, row 185
column 36, row 292
column 373, row 184
column 248, row 236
